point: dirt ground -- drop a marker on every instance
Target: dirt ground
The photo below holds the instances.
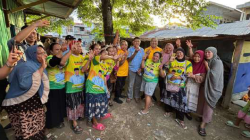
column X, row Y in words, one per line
column 126, row 124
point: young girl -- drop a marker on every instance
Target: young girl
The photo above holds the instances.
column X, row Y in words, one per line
column 243, row 114
column 74, row 77
column 96, row 106
column 150, row 79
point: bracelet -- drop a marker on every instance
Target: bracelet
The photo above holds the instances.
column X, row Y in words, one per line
column 9, row 66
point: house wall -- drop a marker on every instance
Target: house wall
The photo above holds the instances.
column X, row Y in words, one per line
column 14, row 19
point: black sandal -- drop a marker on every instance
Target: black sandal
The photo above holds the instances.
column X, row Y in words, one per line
column 77, row 129
column 201, row 131
column 188, row 116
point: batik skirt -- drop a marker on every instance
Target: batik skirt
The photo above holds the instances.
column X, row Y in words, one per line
column 74, row 105
column 176, row 100
column 28, row 119
column 96, row 105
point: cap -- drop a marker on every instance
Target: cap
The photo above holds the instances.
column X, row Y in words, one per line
column 69, row 37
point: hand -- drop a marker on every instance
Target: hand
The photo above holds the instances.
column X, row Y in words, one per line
column 190, row 75
column 160, row 67
column 144, row 57
column 139, row 72
column 137, row 49
column 116, row 57
column 173, row 78
column 178, row 43
column 14, row 56
column 74, row 47
column 42, row 23
column 205, row 63
column 172, row 58
column 189, row 44
column 91, row 55
column 44, row 63
column 148, row 52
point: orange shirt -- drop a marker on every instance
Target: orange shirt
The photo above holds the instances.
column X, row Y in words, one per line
column 123, row 69
column 152, row 51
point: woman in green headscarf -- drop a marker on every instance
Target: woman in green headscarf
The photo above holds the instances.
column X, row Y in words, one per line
column 213, row 86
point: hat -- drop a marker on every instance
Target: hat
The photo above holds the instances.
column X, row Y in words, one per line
column 69, row 37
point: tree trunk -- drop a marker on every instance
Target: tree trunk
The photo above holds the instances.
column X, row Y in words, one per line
column 107, row 21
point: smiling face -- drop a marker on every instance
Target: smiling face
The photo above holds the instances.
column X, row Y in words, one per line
column 179, row 55
column 56, row 49
column 154, row 43
column 156, row 57
column 169, row 49
column 97, row 49
column 197, row 58
column 209, row 55
column 124, row 45
column 32, row 37
column 111, row 51
column 136, row 43
column 40, row 54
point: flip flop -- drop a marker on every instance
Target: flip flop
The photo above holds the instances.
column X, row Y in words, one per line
column 202, row 131
column 245, row 134
column 247, row 125
column 77, row 129
column 142, row 113
column 231, row 124
column 108, row 115
column 99, row 127
column 181, row 124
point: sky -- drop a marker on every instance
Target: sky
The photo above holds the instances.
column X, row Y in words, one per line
column 230, row 3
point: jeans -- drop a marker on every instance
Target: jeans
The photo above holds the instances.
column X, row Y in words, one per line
column 134, row 81
column 120, row 82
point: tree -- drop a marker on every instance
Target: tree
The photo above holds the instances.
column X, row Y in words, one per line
column 56, row 24
column 136, row 15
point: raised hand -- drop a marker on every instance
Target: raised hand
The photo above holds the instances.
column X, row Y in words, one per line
column 14, row 56
column 178, row 43
column 91, row 55
column 42, row 23
column 44, row 63
column 148, row 52
column 116, row 57
column 189, row 44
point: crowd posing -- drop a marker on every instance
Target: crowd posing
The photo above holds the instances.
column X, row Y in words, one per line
column 79, row 86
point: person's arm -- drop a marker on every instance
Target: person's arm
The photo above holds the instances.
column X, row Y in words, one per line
column 206, row 65
column 67, row 55
column 162, row 72
column 12, row 60
column 143, row 62
column 85, row 67
column 116, row 37
column 43, row 66
column 133, row 56
column 190, row 49
column 22, row 35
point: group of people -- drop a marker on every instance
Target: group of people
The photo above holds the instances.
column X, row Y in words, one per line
column 80, row 86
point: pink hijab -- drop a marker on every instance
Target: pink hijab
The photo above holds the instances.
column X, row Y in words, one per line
column 165, row 56
column 200, row 66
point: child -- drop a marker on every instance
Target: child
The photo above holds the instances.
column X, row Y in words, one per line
column 150, row 79
column 243, row 114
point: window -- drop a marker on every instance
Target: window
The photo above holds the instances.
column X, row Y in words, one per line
column 70, row 29
column 81, row 28
column 248, row 16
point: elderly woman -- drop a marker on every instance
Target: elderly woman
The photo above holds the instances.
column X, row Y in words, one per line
column 213, row 86
column 29, row 89
column 175, row 95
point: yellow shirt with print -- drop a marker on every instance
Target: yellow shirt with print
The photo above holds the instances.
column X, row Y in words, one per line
column 123, row 69
column 152, row 51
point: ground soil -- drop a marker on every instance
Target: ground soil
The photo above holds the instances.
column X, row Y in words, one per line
column 126, row 124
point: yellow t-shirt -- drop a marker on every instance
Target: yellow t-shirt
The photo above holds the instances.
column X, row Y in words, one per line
column 178, row 69
column 123, row 69
column 74, row 77
column 152, row 51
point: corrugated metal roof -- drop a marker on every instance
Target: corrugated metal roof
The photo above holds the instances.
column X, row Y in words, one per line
column 57, row 8
column 237, row 28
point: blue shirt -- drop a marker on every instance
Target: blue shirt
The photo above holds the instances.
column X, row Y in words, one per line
column 135, row 64
column 77, row 79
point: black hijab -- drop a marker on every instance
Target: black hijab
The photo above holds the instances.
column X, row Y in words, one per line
column 183, row 51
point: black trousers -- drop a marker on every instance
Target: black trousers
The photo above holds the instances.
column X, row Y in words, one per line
column 179, row 114
column 162, row 86
column 120, row 82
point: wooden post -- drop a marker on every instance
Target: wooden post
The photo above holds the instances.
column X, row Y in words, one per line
column 5, row 12
column 27, row 6
column 230, row 87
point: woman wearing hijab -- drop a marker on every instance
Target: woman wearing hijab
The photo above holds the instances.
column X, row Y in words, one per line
column 194, row 92
column 213, row 86
column 29, row 89
column 166, row 55
column 175, row 95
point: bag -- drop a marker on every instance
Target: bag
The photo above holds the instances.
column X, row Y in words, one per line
column 173, row 87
